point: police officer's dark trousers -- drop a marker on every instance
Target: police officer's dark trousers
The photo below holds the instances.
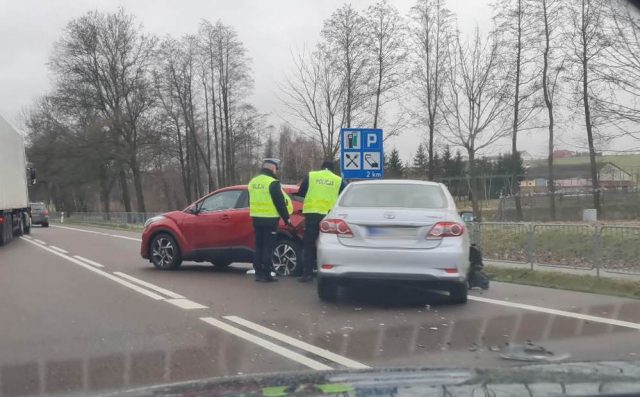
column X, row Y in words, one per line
column 265, row 235
column 311, row 233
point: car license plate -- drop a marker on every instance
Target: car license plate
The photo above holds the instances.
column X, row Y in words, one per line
column 391, row 232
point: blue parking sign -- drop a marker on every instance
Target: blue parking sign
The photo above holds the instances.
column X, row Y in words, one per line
column 361, row 153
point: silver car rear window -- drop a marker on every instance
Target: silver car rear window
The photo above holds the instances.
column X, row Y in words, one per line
column 394, row 195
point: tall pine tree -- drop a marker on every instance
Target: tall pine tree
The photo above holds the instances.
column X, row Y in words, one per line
column 420, row 163
column 393, row 167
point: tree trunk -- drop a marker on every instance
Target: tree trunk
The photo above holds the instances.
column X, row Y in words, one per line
column 183, row 171
column 137, row 183
column 105, row 192
column 475, row 190
column 587, row 116
column 515, row 156
column 430, row 171
column 124, row 186
column 208, row 132
column 223, row 151
column 549, row 104
column 378, row 88
column 187, row 145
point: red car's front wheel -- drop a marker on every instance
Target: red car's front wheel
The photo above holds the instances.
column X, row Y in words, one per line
column 164, row 252
column 287, row 258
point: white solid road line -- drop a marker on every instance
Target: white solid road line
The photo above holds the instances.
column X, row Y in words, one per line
column 39, row 241
column 118, row 280
column 79, row 230
column 28, row 237
column 89, row 261
column 579, row 316
column 154, row 287
column 98, row 233
column 186, row 304
column 124, row 237
column 347, row 362
column 59, row 249
column 290, row 354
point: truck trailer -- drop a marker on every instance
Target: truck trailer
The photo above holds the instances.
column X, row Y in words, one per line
column 15, row 177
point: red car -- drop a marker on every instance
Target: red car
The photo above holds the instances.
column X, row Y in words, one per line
column 218, row 229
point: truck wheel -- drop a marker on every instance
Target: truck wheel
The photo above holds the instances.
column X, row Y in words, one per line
column 3, row 233
column 164, row 252
column 20, row 230
column 46, row 224
column 7, row 230
column 27, row 224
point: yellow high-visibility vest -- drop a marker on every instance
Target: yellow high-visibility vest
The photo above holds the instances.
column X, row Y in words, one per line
column 288, row 202
column 260, row 202
column 324, row 188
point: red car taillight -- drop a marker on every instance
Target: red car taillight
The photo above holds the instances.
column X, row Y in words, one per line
column 446, row 229
column 336, row 226
column 1, row 219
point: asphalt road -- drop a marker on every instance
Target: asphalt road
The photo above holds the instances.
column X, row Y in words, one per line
column 82, row 313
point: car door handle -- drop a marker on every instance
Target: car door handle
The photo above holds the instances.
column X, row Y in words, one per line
column 225, row 218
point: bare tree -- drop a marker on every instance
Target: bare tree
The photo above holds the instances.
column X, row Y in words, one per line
column 475, row 105
column 346, row 41
column 586, row 43
column 385, row 36
column 621, row 71
column 102, row 62
column 313, row 94
column 550, row 14
column 432, row 33
column 516, row 27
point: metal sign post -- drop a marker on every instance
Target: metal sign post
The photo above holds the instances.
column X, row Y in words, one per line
column 361, row 153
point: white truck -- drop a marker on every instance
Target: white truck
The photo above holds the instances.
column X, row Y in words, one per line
column 15, row 217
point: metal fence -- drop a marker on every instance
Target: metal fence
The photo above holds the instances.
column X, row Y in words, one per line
column 608, row 248
column 614, row 249
column 123, row 219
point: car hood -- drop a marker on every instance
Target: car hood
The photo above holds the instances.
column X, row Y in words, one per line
column 567, row 379
column 175, row 216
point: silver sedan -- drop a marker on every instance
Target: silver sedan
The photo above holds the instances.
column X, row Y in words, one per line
column 394, row 230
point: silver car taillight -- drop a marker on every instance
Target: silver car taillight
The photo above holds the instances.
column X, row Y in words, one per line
column 336, row 226
column 446, row 229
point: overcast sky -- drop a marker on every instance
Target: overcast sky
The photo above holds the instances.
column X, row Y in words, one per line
column 270, row 29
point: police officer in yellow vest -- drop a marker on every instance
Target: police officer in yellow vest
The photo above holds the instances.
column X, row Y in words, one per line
column 267, row 204
column 320, row 190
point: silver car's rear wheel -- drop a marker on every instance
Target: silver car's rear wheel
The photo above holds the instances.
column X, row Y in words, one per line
column 164, row 252
column 286, row 258
column 458, row 293
column 327, row 290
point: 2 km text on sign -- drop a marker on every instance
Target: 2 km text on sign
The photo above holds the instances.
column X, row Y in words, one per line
column 362, row 155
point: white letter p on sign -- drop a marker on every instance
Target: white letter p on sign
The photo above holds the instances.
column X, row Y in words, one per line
column 371, row 139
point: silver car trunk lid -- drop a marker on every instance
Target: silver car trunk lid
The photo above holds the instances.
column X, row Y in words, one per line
column 390, row 227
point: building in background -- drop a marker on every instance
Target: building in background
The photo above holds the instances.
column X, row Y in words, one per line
column 576, row 177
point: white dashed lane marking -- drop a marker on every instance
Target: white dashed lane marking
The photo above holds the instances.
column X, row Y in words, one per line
column 153, row 287
column 284, row 352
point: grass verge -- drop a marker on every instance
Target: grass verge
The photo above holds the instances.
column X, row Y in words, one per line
column 111, row 226
column 572, row 282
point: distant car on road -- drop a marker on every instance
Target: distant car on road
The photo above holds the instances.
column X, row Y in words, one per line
column 39, row 214
column 394, row 230
column 218, row 229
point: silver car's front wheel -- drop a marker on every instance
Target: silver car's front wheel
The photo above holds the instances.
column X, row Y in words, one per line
column 286, row 258
column 164, row 252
